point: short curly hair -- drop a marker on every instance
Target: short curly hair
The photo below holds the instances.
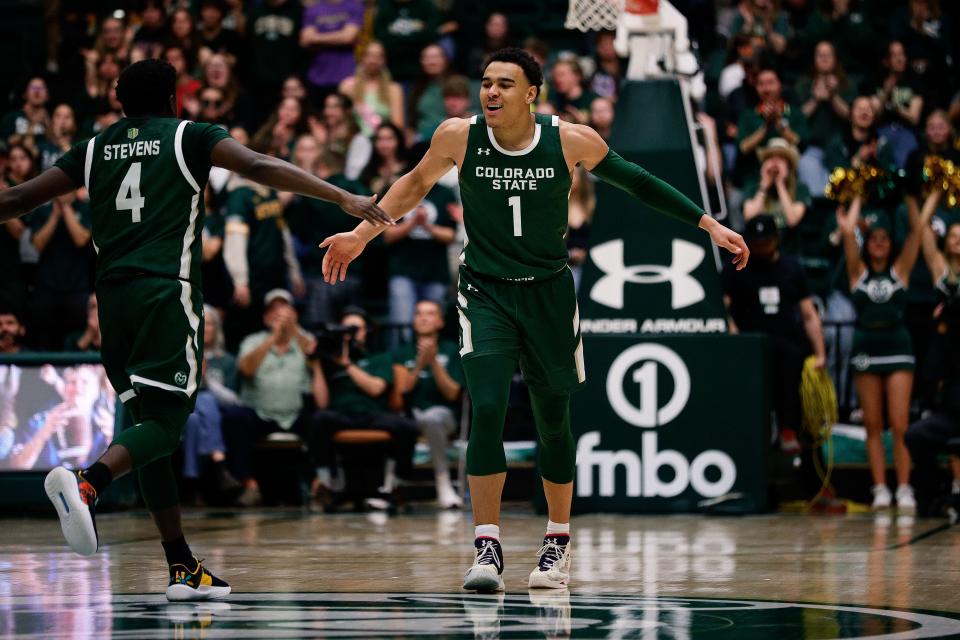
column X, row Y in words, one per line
column 531, row 68
column 145, row 87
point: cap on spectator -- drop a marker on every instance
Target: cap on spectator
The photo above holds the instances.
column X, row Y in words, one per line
column 780, row 147
column 354, row 310
column 761, row 227
column 277, row 294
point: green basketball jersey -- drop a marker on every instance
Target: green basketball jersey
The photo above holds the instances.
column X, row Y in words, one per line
column 879, row 299
column 515, row 203
column 145, row 179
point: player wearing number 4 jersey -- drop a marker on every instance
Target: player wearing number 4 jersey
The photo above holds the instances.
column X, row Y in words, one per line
column 516, row 298
column 145, row 177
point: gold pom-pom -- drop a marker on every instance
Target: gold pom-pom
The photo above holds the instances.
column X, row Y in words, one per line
column 944, row 175
column 846, row 183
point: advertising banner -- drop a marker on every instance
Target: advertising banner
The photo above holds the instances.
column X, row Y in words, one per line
column 673, row 424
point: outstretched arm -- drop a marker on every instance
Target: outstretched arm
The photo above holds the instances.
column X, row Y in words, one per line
column 24, row 198
column 582, row 145
column 283, row 176
column 847, row 223
column 446, row 150
column 905, row 262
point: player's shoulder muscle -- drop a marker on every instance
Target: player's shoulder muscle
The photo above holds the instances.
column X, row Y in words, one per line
column 447, row 147
column 581, row 145
column 450, row 138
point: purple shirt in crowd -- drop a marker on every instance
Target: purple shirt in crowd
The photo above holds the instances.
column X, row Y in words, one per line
column 330, row 65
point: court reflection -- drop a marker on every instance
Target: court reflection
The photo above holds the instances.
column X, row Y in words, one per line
column 663, row 559
column 53, row 594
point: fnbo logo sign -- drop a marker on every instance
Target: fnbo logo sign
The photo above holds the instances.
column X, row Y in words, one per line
column 641, row 408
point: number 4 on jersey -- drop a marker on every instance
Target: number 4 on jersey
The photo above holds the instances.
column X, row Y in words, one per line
column 128, row 197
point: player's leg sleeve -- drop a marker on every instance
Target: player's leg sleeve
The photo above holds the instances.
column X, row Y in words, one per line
column 551, row 413
column 488, row 381
column 161, row 416
column 158, row 484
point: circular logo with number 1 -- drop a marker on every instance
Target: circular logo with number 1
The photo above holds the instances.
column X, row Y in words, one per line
column 647, row 413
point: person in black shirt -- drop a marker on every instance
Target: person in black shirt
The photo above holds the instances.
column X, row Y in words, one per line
column 770, row 296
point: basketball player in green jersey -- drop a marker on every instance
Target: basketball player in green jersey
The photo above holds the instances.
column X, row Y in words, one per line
column 516, row 297
column 145, row 176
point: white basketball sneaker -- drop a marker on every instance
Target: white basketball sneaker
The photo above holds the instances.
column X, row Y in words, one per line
column 906, row 503
column 74, row 499
column 486, row 574
column 882, row 499
column 553, row 567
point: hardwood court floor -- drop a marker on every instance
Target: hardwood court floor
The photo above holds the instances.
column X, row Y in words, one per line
column 302, row 575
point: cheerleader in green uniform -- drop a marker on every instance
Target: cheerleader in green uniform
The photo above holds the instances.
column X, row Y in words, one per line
column 883, row 359
column 944, row 266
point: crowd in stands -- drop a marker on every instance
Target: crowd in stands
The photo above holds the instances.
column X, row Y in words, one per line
column 352, row 90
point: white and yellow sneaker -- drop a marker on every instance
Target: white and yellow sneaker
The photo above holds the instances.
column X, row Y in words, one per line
column 194, row 584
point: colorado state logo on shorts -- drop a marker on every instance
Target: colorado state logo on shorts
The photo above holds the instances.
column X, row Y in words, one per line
column 860, row 361
column 180, row 378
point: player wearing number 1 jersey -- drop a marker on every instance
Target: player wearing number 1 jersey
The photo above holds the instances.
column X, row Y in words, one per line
column 145, row 177
column 516, row 298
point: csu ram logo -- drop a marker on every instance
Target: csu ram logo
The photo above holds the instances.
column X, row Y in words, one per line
column 686, row 290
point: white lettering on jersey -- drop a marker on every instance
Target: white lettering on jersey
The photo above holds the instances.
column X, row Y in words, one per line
column 514, row 178
column 131, row 150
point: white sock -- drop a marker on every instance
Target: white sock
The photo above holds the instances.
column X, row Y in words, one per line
column 956, row 486
column 487, row 531
column 554, row 528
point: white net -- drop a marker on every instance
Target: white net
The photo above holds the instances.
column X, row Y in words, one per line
column 593, row 15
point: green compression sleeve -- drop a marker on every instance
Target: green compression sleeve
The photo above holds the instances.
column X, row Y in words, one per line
column 647, row 188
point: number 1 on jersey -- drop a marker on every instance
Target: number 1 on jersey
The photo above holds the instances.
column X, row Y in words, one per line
column 514, row 202
column 128, row 197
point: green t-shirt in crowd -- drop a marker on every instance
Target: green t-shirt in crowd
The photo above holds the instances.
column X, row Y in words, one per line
column 789, row 236
column 346, row 397
column 824, row 124
column 274, row 33
column 419, row 256
column 429, row 111
column 405, row 27
column 260, row 210
column 276, row 389
column 312, row 221
column 748, row 165
column 63, row 267
column 426, row 394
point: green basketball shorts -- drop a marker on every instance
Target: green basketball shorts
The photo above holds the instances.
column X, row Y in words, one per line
column 538, row 323
column 151, row 335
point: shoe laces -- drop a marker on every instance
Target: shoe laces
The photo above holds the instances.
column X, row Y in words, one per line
column 487, row 553
column 550, row 554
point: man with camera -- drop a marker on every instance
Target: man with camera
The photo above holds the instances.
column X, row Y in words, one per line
column 359, row 389
column 276, row 373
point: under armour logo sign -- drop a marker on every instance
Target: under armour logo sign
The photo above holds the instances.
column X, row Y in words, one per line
column 686, row 290
column 483, row 151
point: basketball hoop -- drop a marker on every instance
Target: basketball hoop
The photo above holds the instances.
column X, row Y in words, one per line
column 604, row 15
